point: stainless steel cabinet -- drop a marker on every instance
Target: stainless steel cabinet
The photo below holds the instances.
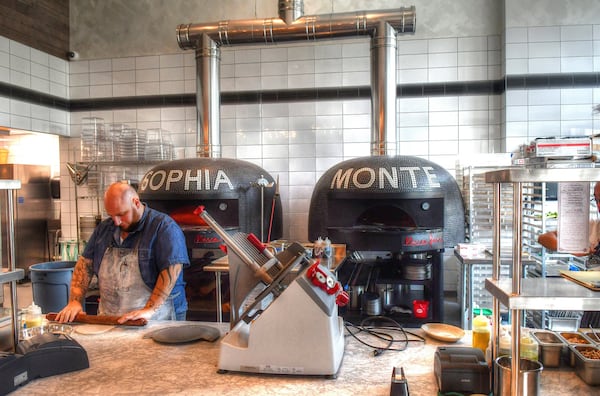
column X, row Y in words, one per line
column 10, row 274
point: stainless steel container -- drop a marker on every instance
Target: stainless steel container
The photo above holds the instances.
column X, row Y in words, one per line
column 571, row 338
column 386, row 292
column 588, row 369
column 371, row 304
column 593, row 335
column 530, row 373
column 356, row 293
column 550, row 348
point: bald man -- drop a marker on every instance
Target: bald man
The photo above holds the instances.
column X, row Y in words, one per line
column 138, row 255
column 550, row 241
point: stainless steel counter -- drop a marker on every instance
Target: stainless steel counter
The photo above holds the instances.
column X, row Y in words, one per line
column 123, row 362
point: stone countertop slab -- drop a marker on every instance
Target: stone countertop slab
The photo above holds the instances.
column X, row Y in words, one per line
column 123, row 362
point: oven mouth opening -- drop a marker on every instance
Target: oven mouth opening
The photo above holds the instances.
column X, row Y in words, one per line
column 385, row 217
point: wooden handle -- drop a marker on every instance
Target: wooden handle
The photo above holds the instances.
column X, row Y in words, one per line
column 100, row 319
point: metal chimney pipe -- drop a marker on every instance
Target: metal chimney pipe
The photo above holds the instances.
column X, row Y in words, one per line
column 383, row 87
column 208, row 101
column 290, row 10
column 382, row 26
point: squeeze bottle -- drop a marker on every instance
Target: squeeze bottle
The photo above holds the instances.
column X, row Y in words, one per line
column 481, row 332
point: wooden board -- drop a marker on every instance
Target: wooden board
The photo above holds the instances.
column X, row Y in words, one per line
column 589, row 279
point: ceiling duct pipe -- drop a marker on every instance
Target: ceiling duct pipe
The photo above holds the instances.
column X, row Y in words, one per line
column 382, row 26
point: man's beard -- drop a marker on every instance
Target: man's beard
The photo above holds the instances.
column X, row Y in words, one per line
column 131, row 227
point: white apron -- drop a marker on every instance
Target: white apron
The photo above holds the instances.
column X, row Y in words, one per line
column 122, row 288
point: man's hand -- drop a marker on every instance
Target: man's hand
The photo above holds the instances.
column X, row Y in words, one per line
column 68, row 313
column 144, row 313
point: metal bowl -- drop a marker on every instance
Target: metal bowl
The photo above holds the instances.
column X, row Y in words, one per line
column 54, row 328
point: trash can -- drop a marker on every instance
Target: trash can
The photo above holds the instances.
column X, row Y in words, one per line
column 51, row 284
column 530, row 372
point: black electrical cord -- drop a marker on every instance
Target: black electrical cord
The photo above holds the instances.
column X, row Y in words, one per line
column 387, row 334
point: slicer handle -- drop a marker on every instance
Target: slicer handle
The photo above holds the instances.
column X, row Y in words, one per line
column 261, row 247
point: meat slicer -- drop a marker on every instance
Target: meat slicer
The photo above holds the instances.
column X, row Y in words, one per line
column 284, row 310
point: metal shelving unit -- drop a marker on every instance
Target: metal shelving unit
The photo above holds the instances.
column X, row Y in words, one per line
column 479, row 205
column 518, row 294
column 12, row 274
column 539, row 200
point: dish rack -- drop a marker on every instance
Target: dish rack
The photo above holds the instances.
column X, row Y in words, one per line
column 555, row 320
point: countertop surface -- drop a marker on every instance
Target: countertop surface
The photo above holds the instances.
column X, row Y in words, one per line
column 123, row 362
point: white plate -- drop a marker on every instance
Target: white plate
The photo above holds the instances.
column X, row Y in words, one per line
column 91, row 329
column 443, row 332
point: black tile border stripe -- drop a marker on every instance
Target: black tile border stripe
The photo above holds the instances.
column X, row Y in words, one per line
column 488, row 87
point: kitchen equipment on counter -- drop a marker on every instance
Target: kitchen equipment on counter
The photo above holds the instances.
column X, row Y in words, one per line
column 399, row 386
column 53, row 328
column 42, row 355
column 391, row 213
column 461, row 370
column 530, row 373
column 284, row 311
column 550, row 347
column 587, row 363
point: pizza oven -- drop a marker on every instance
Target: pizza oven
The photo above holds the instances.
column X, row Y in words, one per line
column 396, row 215
column 239, row 195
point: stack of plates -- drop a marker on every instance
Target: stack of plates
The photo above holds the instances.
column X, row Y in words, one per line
column 417, row 271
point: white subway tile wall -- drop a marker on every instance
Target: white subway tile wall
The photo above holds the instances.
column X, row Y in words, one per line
column 298, row 141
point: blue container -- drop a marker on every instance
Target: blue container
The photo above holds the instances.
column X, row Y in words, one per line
column 51, row 284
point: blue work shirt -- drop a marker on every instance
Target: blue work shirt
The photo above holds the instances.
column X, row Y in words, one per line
column 160, row 243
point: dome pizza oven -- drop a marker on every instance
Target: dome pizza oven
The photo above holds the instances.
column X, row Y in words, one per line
column 377, row 203
column 396, row 214
column 236, row 193
column 239, row 195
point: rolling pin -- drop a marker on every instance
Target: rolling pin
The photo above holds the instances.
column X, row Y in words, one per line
column 100, row 319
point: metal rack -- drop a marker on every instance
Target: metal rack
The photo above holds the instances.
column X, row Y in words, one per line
column 538, row 202
column 12, row 274
column 518, row 294
column 479, row 205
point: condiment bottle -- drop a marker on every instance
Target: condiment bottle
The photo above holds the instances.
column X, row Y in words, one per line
column 33, row 316
column 481, row 332
column 528, row 347
column 327, row 249
column 504, row 347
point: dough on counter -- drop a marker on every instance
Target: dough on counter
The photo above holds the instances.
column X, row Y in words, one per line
column 91, row 329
